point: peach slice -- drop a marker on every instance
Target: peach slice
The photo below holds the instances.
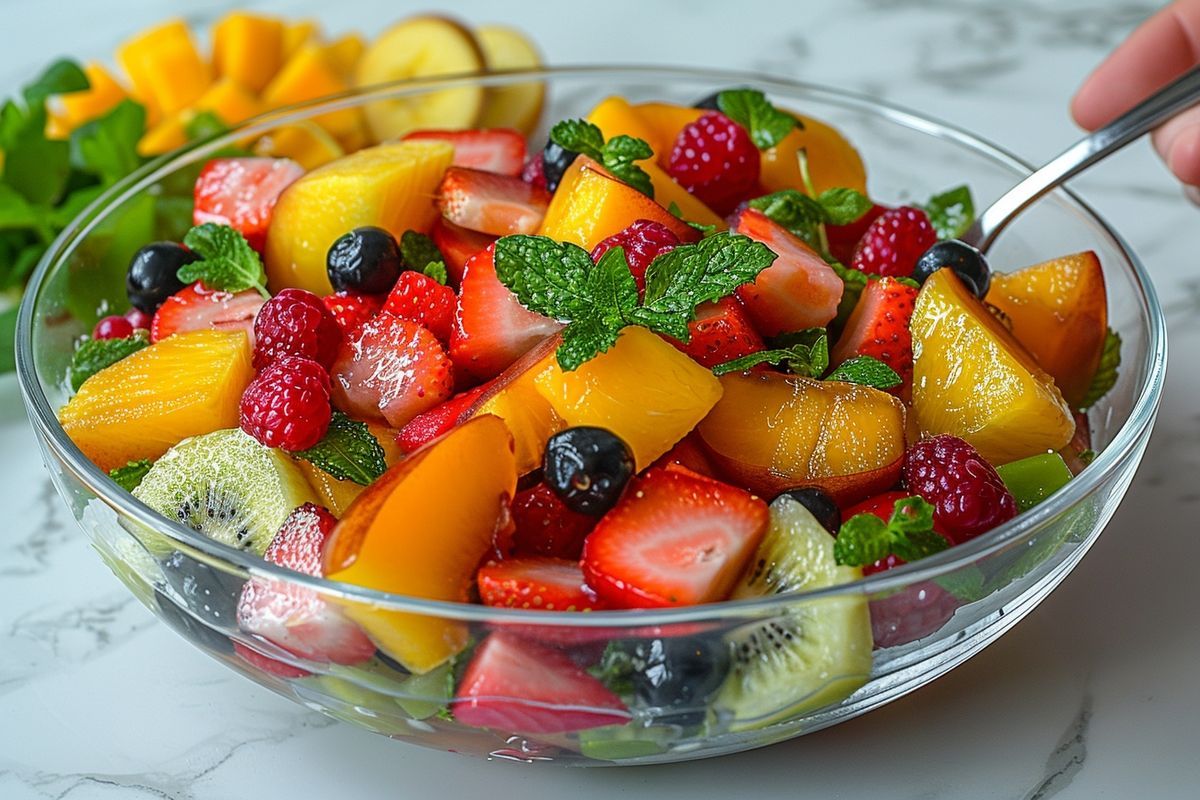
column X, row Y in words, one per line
column 832, row 160
column 1059, row 311
column 772, row 432
column 421, row 530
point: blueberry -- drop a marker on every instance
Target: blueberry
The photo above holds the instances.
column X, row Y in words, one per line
column 673, row 678
column 820, row 505
column 209, row 593
column 366, row 260
column 555, row 160
column 708, row 103
column 588, row 468
column 969, row 265
column 153, row 274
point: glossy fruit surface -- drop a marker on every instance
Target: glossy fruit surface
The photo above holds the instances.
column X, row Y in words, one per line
column 153, row 274
column 486, row 202
column 879, row 327
column 820, row 505
column 241, row 193
column 195, row 308
column 295, row 323
column 968, row 496
column 833, row 161
column 894, row 242
column 499, row 150
column 366, row 259
column 715, row 159
column 970, row 265
column 535, row 583
column 287, row 404
column 588, row 468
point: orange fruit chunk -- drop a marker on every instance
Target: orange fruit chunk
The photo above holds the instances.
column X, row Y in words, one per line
column 248, row 48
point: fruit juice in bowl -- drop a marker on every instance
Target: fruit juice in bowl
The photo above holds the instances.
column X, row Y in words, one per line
column 673, row 429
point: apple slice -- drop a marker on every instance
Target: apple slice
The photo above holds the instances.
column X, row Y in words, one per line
column 517, row 105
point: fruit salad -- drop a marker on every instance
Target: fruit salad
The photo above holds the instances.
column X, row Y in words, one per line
column 675, row 356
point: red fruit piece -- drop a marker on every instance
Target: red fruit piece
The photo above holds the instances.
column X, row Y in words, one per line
column 391, row 370
column 878, row 327
column 427, row 426
column 894, row 242
column 241, row 193
column 271, row 666
column 500, row 150
column 674, row 539
column 966, row 492
column 539, row 583
column 715, row 159
column 721, row 332
column 492, row 329
column 295, row 323
column 491, row 203
column 423, row 300
column 457, row 245
column 113, row 327
column 195, row 308
column 643, row 240
column 689, row 454
column 799, row 290
column 287, row 405
column 293, row 617
column 534, row 172
column 516, row 686
column 352, row 309
column 844, row 238
column 546, row 527
column 139, row 319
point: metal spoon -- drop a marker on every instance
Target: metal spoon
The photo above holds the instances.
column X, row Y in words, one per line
column 1142, row 118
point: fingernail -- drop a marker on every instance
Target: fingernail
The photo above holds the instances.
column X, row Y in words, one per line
column 1192, row 193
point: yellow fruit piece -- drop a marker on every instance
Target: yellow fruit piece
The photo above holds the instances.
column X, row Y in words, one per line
column 298, row 34
column 667, row 191
column 832, row 160
column 518, row 105
column 422, row 47
column 230, row 101
column 345, row 53
column 248, row 48
column 103, row 93
column 186, row 385
column 972, row 379
column 305, row 142
column 390, row 186
column 165, row 68
column 336, row 494
column 515, row 399
column 666, row 120
column 643, row 390
column 421, row 530
column 164, row 137
column 308, row 75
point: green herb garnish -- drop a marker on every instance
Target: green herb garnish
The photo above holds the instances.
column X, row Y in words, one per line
column 227, row 261
column 96, row 354
column 750, row 108
column 865, row 538
column 348, row 451
column 618, row 155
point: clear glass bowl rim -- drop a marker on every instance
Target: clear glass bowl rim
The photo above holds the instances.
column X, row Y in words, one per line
column 1122, row 446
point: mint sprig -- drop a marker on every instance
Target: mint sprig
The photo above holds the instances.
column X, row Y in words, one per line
column 867, row 371
column 951, row 212
column 96, row 354
column 805, row 216
column 420, row 253
column 1106, row 374
column 865, row 538
column 618, row 155
column 805, row 353
column 348, row 451
column 750, row 108
column 130, row 476
column 227, row 261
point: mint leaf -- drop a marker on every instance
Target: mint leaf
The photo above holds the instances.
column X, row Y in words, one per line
column 129, row 476
column 418, row 250
column 437, row 271
column 677, row 212
column 62, row 77
column 843, row 206
column 617, row 155
column 865, row 538
column 579, row 136
column 584, row 340
column 796, row 211
column 227, row 261
column 867, row 371
column 951, row 212
column 750, row 108
column 548, row 277
column 348, row 451
column 96, row 354
column 107, row 146
column 804, row 353
column 1106, row 374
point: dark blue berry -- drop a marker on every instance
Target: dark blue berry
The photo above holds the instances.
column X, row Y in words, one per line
column 672, row 679
column 153, row 274
column 588, row 468
column 555, row 160
column 208, row 592
column 969, row 265
column 708, row 103
column 820, row 505
column 366, row 260
column 189, row 627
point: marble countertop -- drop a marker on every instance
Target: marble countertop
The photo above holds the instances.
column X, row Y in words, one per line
column 1093, row 696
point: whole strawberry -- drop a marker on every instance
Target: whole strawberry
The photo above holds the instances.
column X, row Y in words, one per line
column 287, row 405
column 352, row 309
column 642, row 241
column 295, row 323
column 966, row 492
column 894, row 242
column 715, row 159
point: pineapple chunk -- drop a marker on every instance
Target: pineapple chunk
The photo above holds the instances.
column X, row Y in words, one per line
column 248, row 48
column 165, row 68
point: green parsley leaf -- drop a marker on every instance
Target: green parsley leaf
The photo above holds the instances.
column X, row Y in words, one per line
column 419, row 251
column 865, row 538
column 951, row 212
column 62, row 77
column 107, row 146
column 348, row 451
column 129, row 476
column 750, row 108
column 867, row 371
column 227, row 261
column 96, row 354
column 1106, row 374
column 617, row 155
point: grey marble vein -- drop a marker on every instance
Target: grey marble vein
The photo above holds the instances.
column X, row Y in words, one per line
column 48, row 530
column 1068, row 756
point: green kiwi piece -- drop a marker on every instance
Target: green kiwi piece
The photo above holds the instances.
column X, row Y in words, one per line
column 809, row 656
column 225, row 485
column 625, row 742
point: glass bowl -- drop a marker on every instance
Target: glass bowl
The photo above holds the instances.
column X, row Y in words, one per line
column 926, row 617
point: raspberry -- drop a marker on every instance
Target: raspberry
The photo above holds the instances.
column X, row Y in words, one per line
column 287, row 405
column 967, row 494
column 642, row 240
column 844, row 238
column 423, row 300
column 894, row 242
column 534, row 172
column 352, row 309
column 295, row 323
column 715, row 159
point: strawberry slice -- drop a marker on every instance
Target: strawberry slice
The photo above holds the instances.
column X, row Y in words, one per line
column 195, row 308
column 427, row 426
column 293, row 617
column 500, row 150
column 491, row 203
column 798, row 291
column 689, row 454
column 544, row 526
column 721, row 332
column 675, row 539
column 878, row 327
column 491, row 327
column 241, row 193
column 352, row 309
column 391, row 370
column 457, row 245
column 423, row 300
column 540, row 583
column 271, row 666
column 516, row 686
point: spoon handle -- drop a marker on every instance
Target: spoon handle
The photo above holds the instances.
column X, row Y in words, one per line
column 1177, row 96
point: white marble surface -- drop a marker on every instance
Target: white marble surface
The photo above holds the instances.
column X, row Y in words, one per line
column 1093, row 696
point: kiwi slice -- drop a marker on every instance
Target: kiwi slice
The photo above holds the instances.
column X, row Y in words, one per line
column 809, row 656
column 225, row 485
